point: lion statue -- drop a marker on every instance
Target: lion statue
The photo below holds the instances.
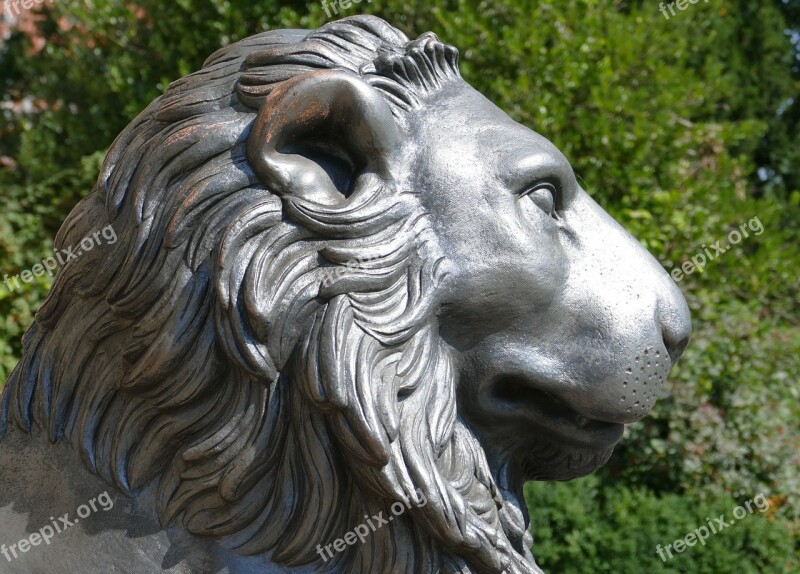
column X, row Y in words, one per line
column 348, row 293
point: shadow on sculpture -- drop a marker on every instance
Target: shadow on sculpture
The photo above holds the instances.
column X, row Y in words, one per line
column 344, row 280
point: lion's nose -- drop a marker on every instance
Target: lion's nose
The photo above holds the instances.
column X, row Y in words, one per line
column 675, row 319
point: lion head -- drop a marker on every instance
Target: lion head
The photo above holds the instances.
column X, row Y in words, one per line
column 344, row 279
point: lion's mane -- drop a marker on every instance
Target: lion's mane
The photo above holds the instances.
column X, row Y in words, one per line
column 228, row 348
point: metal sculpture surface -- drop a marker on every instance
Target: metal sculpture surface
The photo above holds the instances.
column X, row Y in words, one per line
column 344, row 281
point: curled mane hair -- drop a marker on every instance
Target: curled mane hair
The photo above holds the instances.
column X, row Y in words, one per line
column 228, row 349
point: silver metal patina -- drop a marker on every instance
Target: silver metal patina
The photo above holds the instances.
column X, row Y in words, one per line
column 353, row 307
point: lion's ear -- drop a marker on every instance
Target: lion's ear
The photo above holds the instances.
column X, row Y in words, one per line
column 315, row 134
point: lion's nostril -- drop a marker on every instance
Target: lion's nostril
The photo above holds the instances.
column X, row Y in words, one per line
column 676, row 348
column 675, row 320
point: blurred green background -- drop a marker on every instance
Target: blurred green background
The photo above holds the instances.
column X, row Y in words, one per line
column 682, row 128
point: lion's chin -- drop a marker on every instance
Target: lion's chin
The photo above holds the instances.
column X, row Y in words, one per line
column 551, row 461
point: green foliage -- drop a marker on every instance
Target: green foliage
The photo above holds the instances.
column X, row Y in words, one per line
column 585, row 526
column 682, row 129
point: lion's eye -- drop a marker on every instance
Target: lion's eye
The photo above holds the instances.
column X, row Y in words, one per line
column 543, row 195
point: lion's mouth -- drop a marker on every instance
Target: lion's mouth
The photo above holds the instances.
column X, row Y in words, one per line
column 520, row 398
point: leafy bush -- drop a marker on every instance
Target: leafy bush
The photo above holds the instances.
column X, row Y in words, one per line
column 584, row 526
